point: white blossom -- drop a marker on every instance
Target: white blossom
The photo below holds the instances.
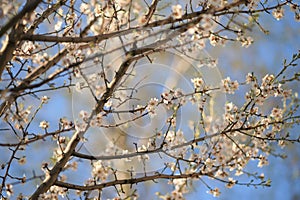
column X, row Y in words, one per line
column 44, row 124
column 278, row 13
column 177, row 11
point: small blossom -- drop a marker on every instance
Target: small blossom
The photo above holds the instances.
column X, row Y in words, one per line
column 246, row 41
column 100, row 171
column 151, row 106
column 250, row 78
column 45, row 99
column 216, row 40
column 252, row 4
column 238, row 172
column 142, row 19
column 9, row 190
column 80, row 126
column 215, row 192
column 57, row 26
column 293, row 7
column 84, row 8
column 177, row 11
column 207, row 21
column 153, row 102
column 261, row 176
column 276, row 113
column 198, row 82
column 230, row 183
column 22, row 160
column 143, row 157
column 229, row 106
column 44, row 124
column 83, row 114
column 262, row 161
column 267, row 80
column 28, row 47
column 286, row 93
column 282, row 143
column 65, row 123
column 209, row 163
column 78, row 87
column 278, row 13
column 297, row 17
column 98, row 10
column 167, row 97
column 74, row 166
column 254, row 110
column 192, row 30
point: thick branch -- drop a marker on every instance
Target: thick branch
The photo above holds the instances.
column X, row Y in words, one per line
column 54, row 172
column 28, row 8
column 15, row 34
column 126, row 181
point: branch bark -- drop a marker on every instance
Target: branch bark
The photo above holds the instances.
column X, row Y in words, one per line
column 126, row 181
column 14, row 36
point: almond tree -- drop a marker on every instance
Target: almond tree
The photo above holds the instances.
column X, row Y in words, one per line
column 99, row 55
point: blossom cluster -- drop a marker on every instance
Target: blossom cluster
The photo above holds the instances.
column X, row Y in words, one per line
column 229, row 86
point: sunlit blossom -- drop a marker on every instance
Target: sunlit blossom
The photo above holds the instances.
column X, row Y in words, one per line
column 177, row 11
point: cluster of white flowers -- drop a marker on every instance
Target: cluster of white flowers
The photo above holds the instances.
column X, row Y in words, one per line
column 54, row 192
column 152, row 106
column 215, row 192
column 229, row 86
column 83, row 115
column 250, row 78
column 245, row 41
column 267, row 89
column 207, row 22
column 20, row 117
column 180, row 188
column 262, row 161
column 143, row 157
column 175, row 138
column 216, row 40
column 28, row 47
column 277, row 113
column 167, row 98
column 96, row 121
column 65, row 123
column 85, row 8
column 173, row 97
column 100, row 171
